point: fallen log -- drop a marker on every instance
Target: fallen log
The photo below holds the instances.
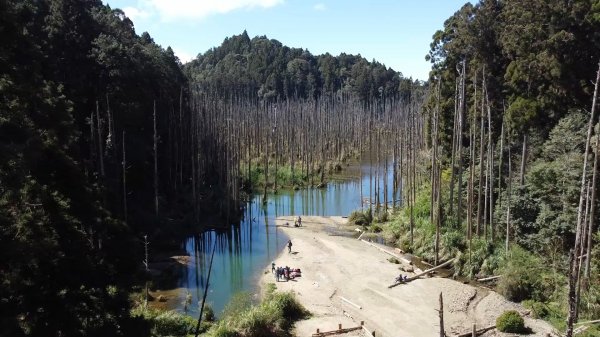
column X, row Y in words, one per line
column 350, row 302
column 477, row 332
column 403, row 259
column 336, row 332
column 589, row 322
column 369, row 333
column 489, row 278
column 423, row 273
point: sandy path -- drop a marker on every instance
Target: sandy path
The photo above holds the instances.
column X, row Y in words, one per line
column 335, row 266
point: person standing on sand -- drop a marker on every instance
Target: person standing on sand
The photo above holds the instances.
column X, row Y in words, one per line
column 289, row 246
column 273, row 267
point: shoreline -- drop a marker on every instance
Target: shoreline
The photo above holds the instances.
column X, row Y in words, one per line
column 345, row 281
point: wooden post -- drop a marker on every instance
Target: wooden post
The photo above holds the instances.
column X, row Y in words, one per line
column 474, row 331
column 441, row 312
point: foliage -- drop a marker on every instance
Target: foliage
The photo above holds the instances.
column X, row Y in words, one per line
column 167, row 322
column 361, row 218
column 522, row 277
column 266, row 68
column 272, row 317
column 510, row 321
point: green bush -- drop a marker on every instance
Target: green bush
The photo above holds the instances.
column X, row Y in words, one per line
column 167, row 322
column 521, row 276
column 538, row 309
column 361, row 218
column 171, row 323
column 273, row 317
column 510, row 321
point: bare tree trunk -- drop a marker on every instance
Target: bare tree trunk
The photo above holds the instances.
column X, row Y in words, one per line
column 574, row 270
column 491, row 168
column 454, row 145
column 523, row 161
column 461, row 109
column 124, row 167
column 508, row 200
column 100, row 140
column 592, row 215
column 481, row 143
column 155, row 163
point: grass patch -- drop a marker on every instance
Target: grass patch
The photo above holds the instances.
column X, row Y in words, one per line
column 273, row 317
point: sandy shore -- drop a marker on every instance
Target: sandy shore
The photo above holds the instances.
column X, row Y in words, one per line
column 335, row 266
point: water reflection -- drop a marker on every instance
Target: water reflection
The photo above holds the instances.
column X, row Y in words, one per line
column 245, row 251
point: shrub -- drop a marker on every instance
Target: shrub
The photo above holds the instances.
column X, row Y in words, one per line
column 538, row 309
column 273, row 317
column 361, row 218
column 521, row 276
column 171, row 323
column 510, row 321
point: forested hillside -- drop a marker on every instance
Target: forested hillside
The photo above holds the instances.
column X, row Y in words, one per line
column 102, row 142
column 105, row 138
column 85, row 169
column 512, row 122
column 272, row 71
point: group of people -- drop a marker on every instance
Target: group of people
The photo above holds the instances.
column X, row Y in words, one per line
column 401, row 278
column 284, row 273
column 298, row 222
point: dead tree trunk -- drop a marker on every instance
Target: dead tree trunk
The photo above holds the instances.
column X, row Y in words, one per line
column 155, row 163
column 508, row 203
column 523, row 161
column 100, row 140
column 574, row 266
column 124, row 168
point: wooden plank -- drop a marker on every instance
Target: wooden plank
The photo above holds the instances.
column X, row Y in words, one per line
column 350, row 302
column 423, row 273
column 489, row 278
column 336, row 332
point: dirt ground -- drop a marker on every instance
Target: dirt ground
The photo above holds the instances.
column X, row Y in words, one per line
column 336, row 266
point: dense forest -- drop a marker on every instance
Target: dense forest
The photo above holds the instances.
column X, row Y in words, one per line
column 512, row 154
column 267, row 69
column 92, row 161
column 106, row 139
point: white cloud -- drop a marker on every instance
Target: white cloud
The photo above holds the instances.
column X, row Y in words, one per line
column 170, row 10
column 135, row 13
column 184, row 56
column 319, row 7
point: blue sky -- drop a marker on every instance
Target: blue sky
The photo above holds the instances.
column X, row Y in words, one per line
column 394, row 32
